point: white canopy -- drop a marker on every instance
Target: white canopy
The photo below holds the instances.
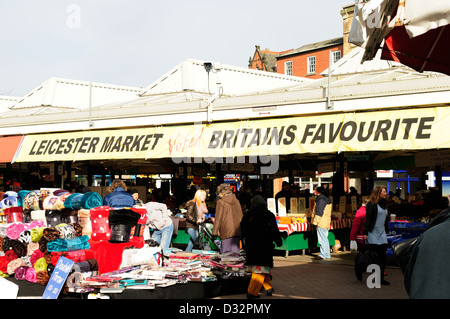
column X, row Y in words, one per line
column 422, row 16
column 374, row 19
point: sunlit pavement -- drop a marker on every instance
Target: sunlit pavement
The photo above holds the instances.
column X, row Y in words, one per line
column 300, row 276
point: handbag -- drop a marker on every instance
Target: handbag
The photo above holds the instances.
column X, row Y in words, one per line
column 402, row 251
column 363, row 259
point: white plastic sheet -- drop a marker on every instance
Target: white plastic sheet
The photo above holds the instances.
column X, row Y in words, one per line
column 422, row 16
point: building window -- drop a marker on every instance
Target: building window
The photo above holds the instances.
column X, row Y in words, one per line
column 311, row 65
column 336, row 55
column 288, row 67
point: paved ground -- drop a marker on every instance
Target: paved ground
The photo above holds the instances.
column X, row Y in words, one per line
column 303, row 277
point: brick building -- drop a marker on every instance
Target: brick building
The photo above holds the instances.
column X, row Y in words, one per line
column 264, row 60
column 309, row 60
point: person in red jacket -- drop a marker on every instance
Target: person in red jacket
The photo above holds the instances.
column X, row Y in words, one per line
column 356, row 232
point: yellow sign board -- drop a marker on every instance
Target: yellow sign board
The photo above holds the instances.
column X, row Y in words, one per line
column 411, row 129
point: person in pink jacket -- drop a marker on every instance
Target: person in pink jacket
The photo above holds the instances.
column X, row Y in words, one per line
column 356, row 233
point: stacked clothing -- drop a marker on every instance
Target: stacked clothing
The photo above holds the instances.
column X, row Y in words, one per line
column 30, row 251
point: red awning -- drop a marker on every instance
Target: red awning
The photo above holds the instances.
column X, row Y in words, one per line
column 427, row 52
column 9, row 146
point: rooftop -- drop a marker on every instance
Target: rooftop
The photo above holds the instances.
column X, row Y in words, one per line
column 191, row 76
column 181, row 96
column 68, row 93
column 315, row 46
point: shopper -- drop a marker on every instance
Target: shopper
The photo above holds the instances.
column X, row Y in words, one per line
column 376, row 226
column 245, row 199
column 196, row 212
column 321, row 218
column 285, row 192
column 137, row 200
column 259, row 231
column 118, row 196
column 227, row 220
column 357, row 230
column 427, row 275
column 159, row 220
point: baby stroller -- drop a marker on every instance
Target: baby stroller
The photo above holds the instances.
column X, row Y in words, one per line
column 206, row 240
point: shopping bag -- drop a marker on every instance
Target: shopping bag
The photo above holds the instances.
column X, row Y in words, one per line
column 353, row 245
column 363, row 260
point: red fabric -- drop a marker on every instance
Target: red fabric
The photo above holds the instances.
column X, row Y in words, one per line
column 99, row 222
column 143, row 212
column 108, row 255
column 413, row 52
column 14, row 214
column 4, row 264
column 10, row 255
column 76, row 255
column 138, row 239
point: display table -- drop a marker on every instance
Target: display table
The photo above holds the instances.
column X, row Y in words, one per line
column 402, row 230
column 302, row 227
column 300, row 236
column 190, row 290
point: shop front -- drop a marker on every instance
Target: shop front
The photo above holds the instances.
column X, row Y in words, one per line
column 252, row 140
column 267, row 145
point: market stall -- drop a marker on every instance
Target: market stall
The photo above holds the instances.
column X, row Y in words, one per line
column 400, row 230
column 45, row 227
column 300, row 234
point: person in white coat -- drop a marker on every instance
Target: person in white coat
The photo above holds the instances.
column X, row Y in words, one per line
column 159, row 220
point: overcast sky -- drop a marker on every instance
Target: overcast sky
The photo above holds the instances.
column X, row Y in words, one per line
column 134, row 42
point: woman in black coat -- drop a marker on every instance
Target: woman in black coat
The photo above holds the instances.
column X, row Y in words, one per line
column 259, row 231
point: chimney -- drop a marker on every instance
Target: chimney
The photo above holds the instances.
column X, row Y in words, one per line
column 347, row 18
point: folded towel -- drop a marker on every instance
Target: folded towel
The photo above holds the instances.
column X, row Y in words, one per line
column 81, row 242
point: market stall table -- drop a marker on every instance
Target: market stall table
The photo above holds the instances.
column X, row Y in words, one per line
column 300, row 236
column 401, row 230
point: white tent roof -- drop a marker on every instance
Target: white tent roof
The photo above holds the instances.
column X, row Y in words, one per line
column 66, row 93
column 190, row 75
column 365, row 89
column 422, row 16
column 351, row 64
column 7, row 101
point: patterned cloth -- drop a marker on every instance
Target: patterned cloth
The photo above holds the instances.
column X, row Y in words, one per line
column 301, row 227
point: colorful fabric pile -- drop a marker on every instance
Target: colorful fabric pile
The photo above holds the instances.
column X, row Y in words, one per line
column 39, row 227
column 30, row 251
column 45, row 226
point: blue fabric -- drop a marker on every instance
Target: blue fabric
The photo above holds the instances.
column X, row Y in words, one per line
column 21, row 195
column 118, row 199
column 73, row 201
column 91, row 200
column 77, row 243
